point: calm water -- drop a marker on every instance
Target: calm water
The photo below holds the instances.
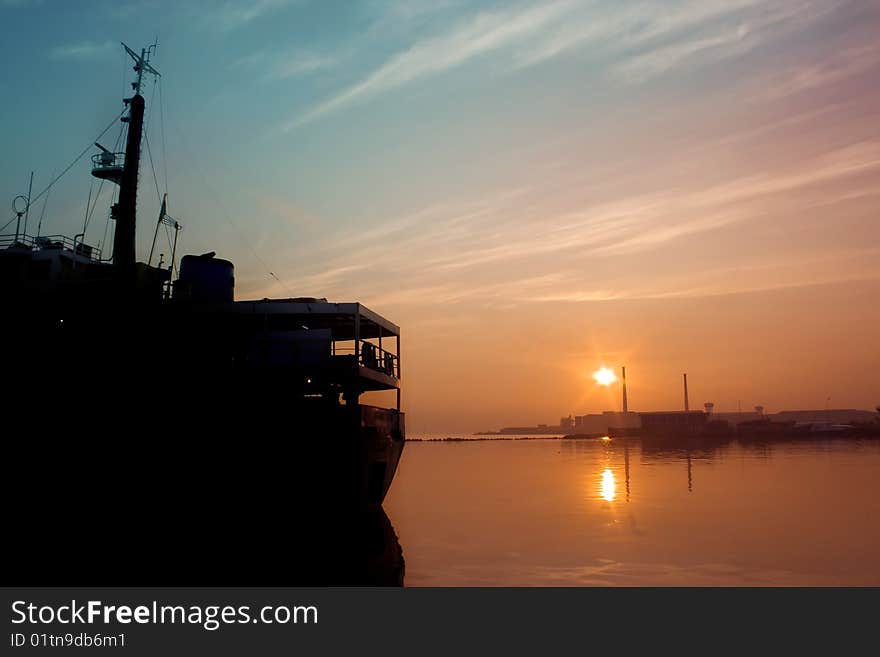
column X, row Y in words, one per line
column 592, row 512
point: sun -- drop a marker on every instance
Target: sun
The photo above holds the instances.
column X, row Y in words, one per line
column 604, row 376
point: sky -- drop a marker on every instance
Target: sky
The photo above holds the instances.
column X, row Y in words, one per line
column 529, row 189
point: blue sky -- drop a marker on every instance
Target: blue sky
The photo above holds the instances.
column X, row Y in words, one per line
column 511, row 158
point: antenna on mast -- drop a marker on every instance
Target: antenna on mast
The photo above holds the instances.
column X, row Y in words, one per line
column 126, row 208
column 141, row 64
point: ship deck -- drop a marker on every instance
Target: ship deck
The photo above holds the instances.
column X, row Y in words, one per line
column 362, row 341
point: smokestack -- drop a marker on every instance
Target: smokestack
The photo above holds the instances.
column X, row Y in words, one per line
column 686, row 404
column 625, row 409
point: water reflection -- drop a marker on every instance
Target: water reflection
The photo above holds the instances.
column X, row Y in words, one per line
column 298, row 549
column 358, row 551
column 690, row 473
column 556, row 512
column 607, row 479
column 607, row 487
column 612, row 449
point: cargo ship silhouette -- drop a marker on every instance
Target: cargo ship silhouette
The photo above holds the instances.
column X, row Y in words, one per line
column 163, row 432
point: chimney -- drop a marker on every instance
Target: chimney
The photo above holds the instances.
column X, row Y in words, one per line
column 686, row 405
column 625, row 408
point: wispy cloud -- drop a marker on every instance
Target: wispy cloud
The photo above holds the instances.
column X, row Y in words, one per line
column 83, row 50
column 715, row 40
column 842, row 266
column 616, row 27
column 300, row 65
column 495, row 294
column 328, row 278
column 284, row 64
column 727, row 203
column 455, row 241
column 233, row 14
column 634, row 41
column 821, row 73
column 568, row 236
column 726, row 44
column 476, row 36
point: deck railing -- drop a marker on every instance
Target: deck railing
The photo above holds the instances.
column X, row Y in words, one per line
column 372, row 357
column 108, row 161
column 50, row 243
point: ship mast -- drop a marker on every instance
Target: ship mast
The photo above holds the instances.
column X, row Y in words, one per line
column 126, row 210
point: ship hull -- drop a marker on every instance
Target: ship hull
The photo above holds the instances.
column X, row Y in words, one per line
column 140, row 473
column 255, row 503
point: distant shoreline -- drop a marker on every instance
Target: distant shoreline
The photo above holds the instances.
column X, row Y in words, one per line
column 485, row 437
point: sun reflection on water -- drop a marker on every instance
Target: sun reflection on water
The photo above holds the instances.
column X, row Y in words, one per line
column 608, row 487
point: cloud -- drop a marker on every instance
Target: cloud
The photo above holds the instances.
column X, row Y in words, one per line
column 716, row 40
column 234, row 14
column 810, row 270
column 84, row 50
column 620, row 26
column 549, row 246
column 634, row 41
column 476, row 36
column 725, row 203
column 328, row 278
column 831, row 70
column 300, row 65
column 731, row 42
column 500, row 293
column 656, row 198
column 285, row 64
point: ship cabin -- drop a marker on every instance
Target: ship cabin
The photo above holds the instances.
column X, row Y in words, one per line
column 338, row 342
column 327, row 369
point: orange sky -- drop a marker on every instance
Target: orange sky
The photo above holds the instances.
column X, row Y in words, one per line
column 717, row 217
column 784, row 349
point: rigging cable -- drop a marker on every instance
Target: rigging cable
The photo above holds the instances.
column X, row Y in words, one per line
column 43, row 212
column 165, row 172
column 155, row 179
column 101, row 186
column 153, row 169
column 213, row 194
column 70, row 166
column 88, row 204
column 90, row 211
column 162, row 131
column 157, row 83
